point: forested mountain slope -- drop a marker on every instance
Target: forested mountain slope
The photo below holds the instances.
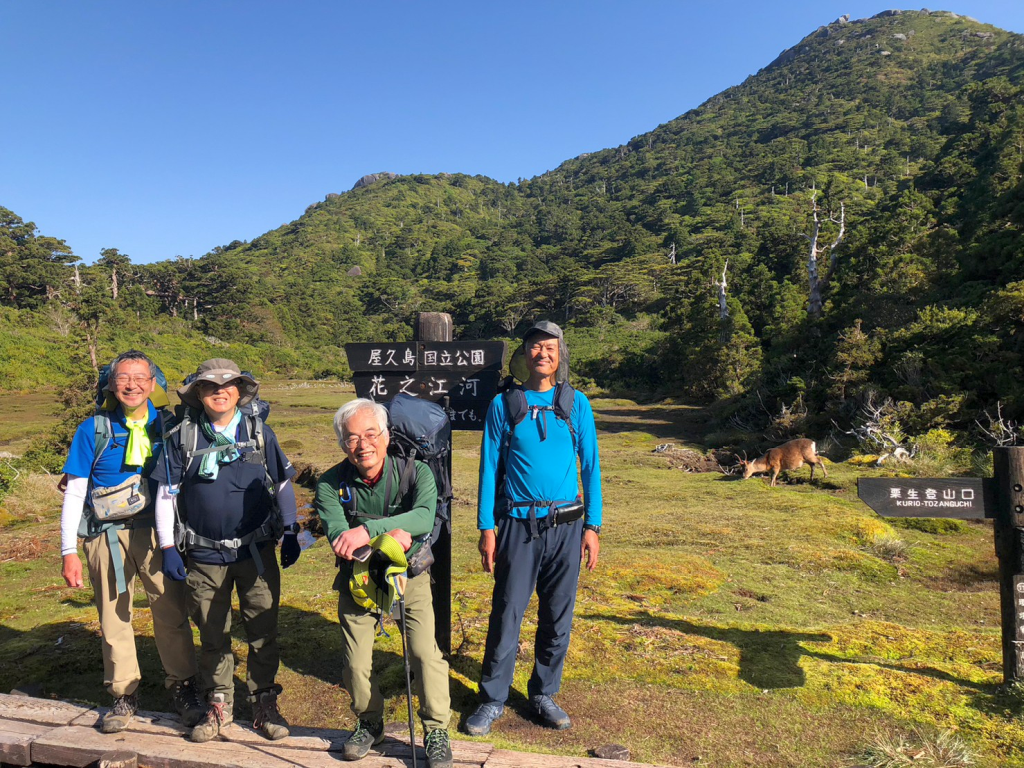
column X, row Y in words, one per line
column 903, row 133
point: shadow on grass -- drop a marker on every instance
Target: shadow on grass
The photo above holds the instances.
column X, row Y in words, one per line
column 770, row 660
column 656, row 421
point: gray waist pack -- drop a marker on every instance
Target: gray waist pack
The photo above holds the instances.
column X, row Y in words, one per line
column 121, row 501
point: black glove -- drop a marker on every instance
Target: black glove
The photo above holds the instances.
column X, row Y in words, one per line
column 290, row 550
column 173, row 568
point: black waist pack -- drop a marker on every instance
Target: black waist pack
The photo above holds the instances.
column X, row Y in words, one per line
column 566, row 514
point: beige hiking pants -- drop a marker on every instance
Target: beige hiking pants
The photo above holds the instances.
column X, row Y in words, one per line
column 358, row 630
column 173, row 633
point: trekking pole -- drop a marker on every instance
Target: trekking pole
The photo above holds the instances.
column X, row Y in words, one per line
column 408, row 679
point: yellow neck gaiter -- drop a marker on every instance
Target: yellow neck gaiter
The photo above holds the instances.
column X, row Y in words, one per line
column 140, row 447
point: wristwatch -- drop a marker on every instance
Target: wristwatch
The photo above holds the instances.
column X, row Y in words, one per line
column 595, row 528
column 293, row 528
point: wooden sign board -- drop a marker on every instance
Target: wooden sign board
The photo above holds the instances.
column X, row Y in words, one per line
column 462, row 376
column 462, row 356
column 965, row 498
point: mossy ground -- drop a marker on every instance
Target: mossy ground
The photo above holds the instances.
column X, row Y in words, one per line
column 727, row 621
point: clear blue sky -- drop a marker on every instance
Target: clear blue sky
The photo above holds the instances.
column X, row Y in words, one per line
column 167, row 128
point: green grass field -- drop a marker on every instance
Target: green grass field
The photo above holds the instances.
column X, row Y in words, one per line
column 728, row 623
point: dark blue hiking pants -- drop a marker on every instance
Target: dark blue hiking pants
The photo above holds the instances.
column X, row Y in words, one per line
column 551, row 564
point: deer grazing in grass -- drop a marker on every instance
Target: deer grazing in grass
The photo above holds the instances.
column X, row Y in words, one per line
column 791, row 455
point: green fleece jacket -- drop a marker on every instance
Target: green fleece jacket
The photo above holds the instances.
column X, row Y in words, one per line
column 414, row 514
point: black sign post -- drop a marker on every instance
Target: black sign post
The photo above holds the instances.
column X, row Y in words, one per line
column 463, row 377
column 1000, row 498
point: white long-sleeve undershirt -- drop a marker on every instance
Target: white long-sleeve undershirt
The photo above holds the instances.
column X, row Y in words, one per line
column 71, row 513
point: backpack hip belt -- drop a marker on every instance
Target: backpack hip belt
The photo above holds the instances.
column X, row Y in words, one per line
column 191, row 540
column 560, row 511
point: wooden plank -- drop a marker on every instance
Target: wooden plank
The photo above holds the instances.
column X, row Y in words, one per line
column 79, row 747
column 16, row 739
column 42, row 711
column 501, row 758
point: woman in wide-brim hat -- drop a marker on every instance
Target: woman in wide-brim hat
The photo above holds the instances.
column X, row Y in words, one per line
column 219, row 371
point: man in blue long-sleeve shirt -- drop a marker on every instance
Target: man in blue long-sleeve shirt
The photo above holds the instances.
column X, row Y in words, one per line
column 538, row 457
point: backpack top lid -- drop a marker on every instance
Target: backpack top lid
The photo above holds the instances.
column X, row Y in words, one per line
column 417, row 423
column 105, row 400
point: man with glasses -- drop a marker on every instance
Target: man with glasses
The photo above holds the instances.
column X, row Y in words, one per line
column 359, row 500
column 108, row 501
column 229, row 472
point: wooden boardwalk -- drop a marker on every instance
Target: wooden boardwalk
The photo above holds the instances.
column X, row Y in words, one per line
column 50, row 732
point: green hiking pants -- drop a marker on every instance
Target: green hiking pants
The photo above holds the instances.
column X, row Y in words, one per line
column 209, row 602
column 358, row 630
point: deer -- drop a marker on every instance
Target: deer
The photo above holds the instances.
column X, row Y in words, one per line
column 791, row 455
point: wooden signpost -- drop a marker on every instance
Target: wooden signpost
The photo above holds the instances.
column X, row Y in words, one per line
column 1000, row 498
column 463, row 377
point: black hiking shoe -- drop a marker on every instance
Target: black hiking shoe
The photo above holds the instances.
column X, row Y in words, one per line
column 187, row 704
column 479, row 723
column 438, row 749
column 267, row 718
column 365, row 736
column 121, row 713
column 550, row 713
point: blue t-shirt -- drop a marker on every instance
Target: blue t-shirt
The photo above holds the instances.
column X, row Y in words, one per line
column 233, row 505
column 110, row 468
column 540, row 469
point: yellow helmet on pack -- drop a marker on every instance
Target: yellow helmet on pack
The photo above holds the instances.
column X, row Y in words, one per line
column 378, row 582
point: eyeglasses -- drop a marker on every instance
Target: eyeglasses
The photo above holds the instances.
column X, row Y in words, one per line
column 122, row 379
column 353, row 441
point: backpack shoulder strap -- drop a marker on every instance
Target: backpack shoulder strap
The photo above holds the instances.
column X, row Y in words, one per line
column 565, row 397
column 188, row 429
column 103, row 433
column 515, row 406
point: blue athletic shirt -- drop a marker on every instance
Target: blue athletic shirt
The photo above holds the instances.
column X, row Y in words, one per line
column 233, row 505
column 536, row 469
column 110, row 468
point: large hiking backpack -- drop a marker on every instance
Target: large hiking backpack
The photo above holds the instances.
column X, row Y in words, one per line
column 421, row 431
column 254, row 413
column 516, row 409
column 89, row 526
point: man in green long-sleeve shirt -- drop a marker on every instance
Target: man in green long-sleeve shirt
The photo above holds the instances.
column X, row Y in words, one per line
column 358, row 500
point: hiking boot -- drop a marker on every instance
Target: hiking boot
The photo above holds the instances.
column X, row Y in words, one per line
column 218, row 714
column 366, row 735
column 479, row 723
column 438, row 749
column 121, row 713
column 550, row 713
column 267, row 718
column 187, row 704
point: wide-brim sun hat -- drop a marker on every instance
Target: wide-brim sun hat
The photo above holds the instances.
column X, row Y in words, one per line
column 219, row 370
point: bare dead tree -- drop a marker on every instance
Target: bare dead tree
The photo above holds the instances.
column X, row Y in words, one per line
column 815, row 284
column 878, row 432
column 672, row 254
column 723, row 308
column 1000, row 432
